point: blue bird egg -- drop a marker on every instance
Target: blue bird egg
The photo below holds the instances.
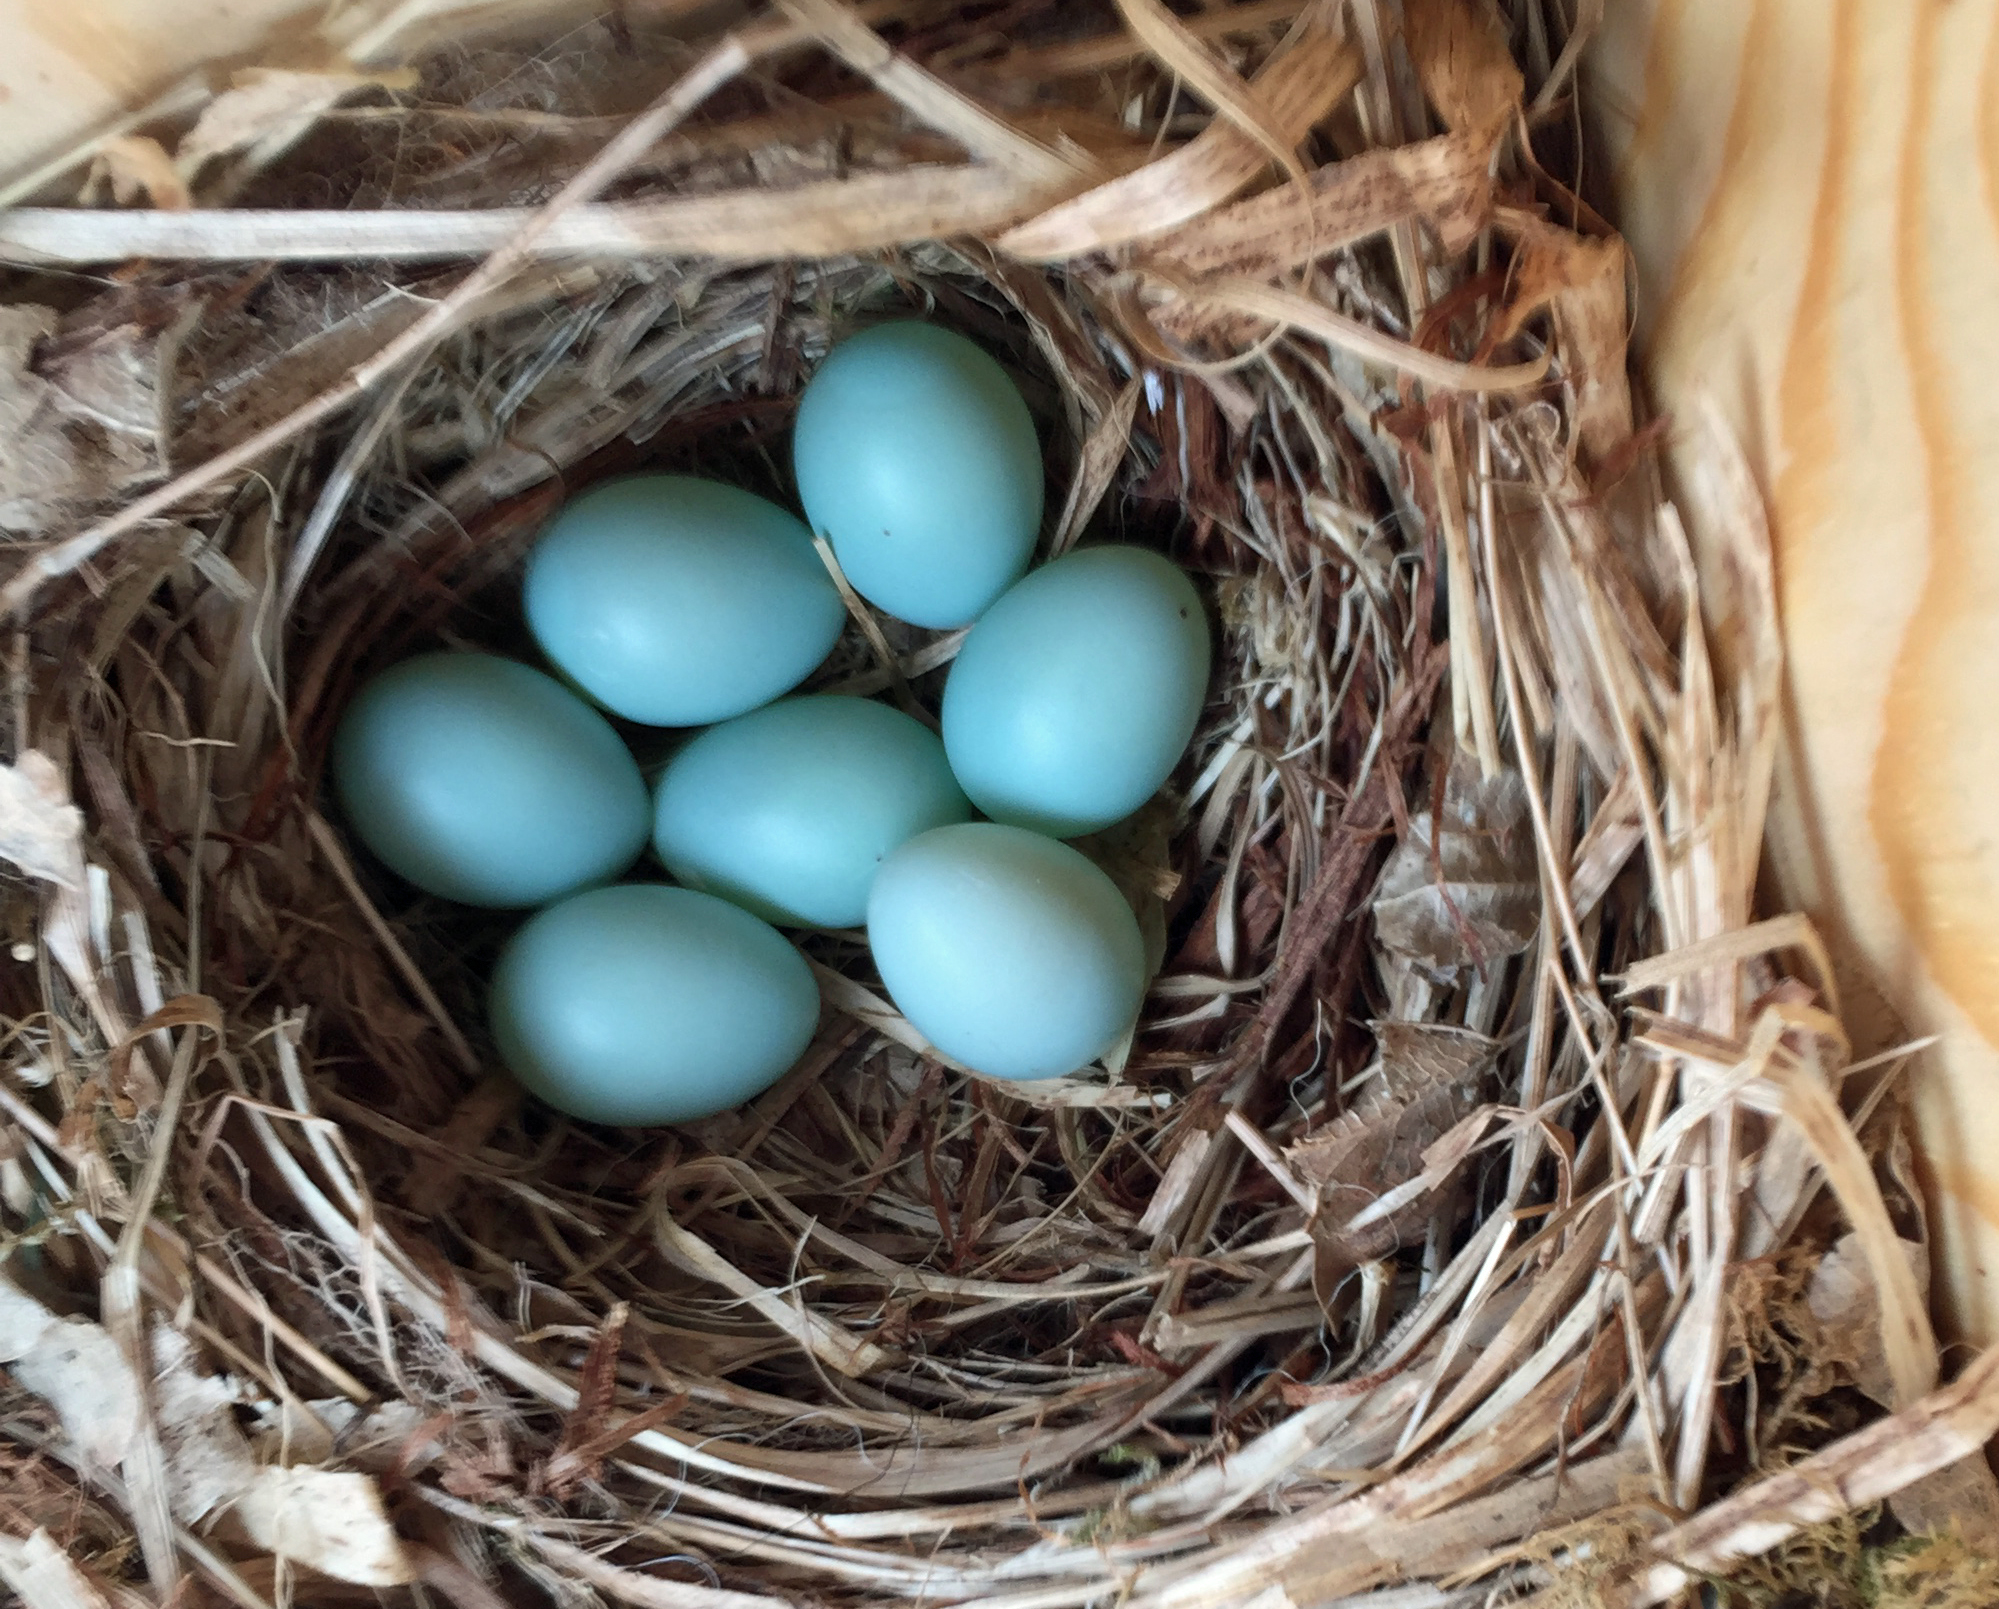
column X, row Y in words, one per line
column 790, row 810
column 917, row 459
column 646, row 1004
column 1008, row 951
column 486, row 782
column 674, row 601
column 1075, row 695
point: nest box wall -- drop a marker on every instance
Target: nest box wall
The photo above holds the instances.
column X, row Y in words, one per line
column 1811, row 192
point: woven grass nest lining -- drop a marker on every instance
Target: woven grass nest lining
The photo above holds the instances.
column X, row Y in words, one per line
column 1456, row 1224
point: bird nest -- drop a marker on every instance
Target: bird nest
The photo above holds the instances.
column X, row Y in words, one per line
column 1485, row 1206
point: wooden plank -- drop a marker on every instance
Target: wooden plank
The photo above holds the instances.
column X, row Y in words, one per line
column 1811, row 192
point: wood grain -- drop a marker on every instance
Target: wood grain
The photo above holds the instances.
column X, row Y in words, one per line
column 1811, row 192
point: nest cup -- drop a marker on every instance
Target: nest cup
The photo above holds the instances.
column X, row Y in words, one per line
column 1464, row 1183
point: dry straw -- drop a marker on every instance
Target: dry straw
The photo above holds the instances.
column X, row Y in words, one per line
column 1487, row 1205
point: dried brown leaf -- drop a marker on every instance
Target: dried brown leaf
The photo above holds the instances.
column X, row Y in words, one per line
column 81, row 413
column 1444, row 182
column 1908, row 1342
column 1580, row 282
column 1463, row 60
column 1430, row 1081
column 1846, row 1305
column 1962, row 1498
column 39, row 465
column 1469, row 895
column 1417, row 1057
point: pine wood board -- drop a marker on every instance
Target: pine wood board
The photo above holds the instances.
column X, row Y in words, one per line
column 1811, row 192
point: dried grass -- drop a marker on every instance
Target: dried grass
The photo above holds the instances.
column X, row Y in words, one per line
column 1450, row 1230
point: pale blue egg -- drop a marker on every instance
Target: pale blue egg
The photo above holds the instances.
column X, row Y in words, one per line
column 790, row 810
column 1008, row 951
column 487, row 782
column 649, row 1004
column 1075, row 695
column 917, row 459
column 676, row 601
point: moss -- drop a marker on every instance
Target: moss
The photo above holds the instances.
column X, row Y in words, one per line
column 1835, row 1566
column 1930, row 1572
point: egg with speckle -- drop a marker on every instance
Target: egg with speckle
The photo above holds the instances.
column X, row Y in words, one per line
column 1075, row 695
column 917, row 459
column 1008, row 951
column 646, row 1004
column 675, row 601
column 790, row 810
column 486, row 782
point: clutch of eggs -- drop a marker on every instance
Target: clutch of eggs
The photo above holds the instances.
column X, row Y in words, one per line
column 670, row 601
